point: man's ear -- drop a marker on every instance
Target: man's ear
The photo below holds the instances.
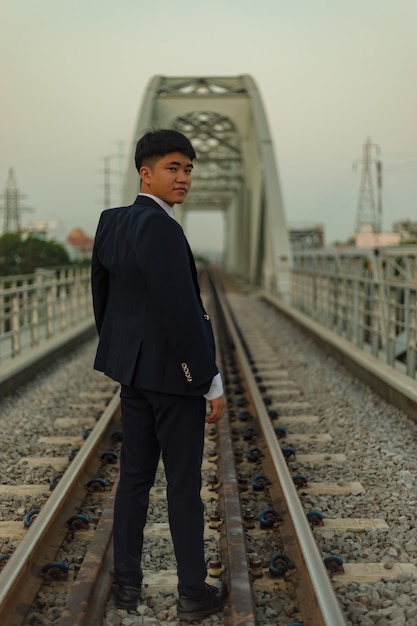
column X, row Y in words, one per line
column 145, row 173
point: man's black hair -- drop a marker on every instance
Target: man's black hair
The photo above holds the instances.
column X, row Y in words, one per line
column 157, row 143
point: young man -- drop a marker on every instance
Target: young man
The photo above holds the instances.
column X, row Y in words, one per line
column 156, row 339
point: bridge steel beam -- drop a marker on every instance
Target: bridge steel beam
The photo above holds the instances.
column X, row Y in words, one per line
column 235, row 171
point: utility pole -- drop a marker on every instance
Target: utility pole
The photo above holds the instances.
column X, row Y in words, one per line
column 107, row 182
column 120, row 158
column 12, row 208
column 369, row 216
column 108, row 173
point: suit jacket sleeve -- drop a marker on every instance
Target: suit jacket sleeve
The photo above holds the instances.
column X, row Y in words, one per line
column 99, row 283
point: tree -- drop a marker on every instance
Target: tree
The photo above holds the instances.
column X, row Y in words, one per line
column 20, row 255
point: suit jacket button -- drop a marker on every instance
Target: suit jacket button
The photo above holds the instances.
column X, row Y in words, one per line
column 206, row 317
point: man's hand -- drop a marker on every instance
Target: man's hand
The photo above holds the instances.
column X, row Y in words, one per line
column 218, row 406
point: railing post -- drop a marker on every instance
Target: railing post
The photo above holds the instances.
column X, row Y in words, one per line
column 62, row 291
column 362, row 312
column 382, row 298
column 323, row 311
column 341, row 319
column 86, row 295
column 84, row 288
column 15, row 326
column 391, row 330
column 375, row 321
column 411, row 335
column 50, row 296
column 34, row 324
column 3, row 316
column 72, row 295
column 355, row 311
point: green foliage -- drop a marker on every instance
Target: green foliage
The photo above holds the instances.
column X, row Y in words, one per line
column 84, row 262
column 201, row 259
column 20, row 255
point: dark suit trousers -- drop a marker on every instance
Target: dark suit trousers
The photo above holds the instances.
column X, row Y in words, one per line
column 155, row 423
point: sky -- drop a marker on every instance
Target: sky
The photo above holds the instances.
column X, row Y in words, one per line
column 330, row 73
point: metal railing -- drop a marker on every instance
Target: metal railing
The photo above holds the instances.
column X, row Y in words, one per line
column 37, row 307
column 368, row 297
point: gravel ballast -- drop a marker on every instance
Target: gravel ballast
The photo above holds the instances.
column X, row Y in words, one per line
column 380, row 444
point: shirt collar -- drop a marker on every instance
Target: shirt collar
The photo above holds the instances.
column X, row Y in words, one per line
column 162, row 204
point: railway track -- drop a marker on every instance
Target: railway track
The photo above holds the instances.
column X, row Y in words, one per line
column 262, row 484
column 70, row 502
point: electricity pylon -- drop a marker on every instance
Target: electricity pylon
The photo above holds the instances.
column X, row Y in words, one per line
column 369, row 216
column 12, row 208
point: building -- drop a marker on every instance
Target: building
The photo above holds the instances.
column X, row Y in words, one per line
column 80, row 245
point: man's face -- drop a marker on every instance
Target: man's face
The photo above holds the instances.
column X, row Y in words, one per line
column 169, row 178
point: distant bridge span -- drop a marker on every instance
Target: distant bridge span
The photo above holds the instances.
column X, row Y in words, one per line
column 235, row 171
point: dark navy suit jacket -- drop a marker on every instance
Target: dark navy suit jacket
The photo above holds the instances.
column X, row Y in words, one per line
column 153, row 330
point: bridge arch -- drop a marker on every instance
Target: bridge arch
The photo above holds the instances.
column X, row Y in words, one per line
column 235, row 171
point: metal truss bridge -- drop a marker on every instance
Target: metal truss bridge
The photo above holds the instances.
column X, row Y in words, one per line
column 361, row 303
column 235, row 171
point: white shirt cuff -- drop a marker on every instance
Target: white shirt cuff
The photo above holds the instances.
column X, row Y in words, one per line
column 216, row 389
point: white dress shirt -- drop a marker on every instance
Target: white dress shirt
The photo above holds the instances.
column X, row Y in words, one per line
column 216, row 388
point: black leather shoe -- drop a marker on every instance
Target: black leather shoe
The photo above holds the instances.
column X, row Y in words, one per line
column 198, row 608
column 126, row 597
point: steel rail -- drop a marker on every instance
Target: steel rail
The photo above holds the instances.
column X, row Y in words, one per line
column 86, row 604
column 240, row 609
column 24, row 563
column 320, row 583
